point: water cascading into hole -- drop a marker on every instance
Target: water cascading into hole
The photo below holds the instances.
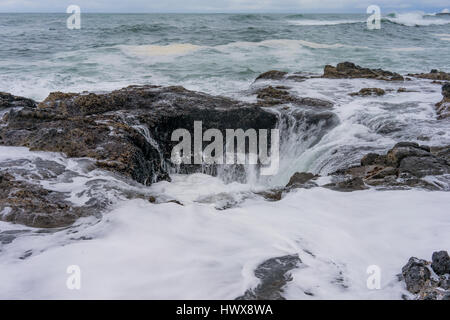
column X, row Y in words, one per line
column 297, row 135
column 300, row 130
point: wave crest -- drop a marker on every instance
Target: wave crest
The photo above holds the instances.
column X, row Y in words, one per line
column 312, row 22
column 415, row 19
column 156, row 50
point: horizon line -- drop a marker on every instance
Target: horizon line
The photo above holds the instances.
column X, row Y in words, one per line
column 207, row 12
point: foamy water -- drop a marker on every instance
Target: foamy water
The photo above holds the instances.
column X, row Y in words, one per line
column 219, row 54
column 167, row 251
column 198, row 250
column 168, row 50
column 413, row 19
column 306, row 22
column 137, row 249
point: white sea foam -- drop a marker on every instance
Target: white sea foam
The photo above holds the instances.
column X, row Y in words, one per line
column 174, row 49
column 283, row 44
column 178, row 49
column 443, row 36
column 310, row 22
column 142, row 250
column 378, row 122
column 413, row 19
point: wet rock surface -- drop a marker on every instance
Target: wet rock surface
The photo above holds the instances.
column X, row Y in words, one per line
column 407, row 165
column 271, row 96
column 273, row 275
column 302, row 180
column 416, row 274
column 46, row 190
column 403, row 167
column 349, row 70
column 272, row 194
column 9, row 101
column 128, row 130
column 440, row 262
column 347, row 185
column 423, row 281
column 277, row 75
column 443, row 107
column 272, row 75
column 364, row 92
column 432, row 75
column 32, row 205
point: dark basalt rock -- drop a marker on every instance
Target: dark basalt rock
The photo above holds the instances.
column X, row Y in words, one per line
column 441, row 152
column 31, row 205
column 403, row 166
column 298, row 77
column 314, row 102
column 24, row 198
column 373, row 159
column 382, row 173
column 416, row 160
column 446, row 90
column 274, row 275
column 274, row 95
column 433, row 75
column 348, row 185
column 403, row 90
column 128, row 130
column 270, row 96
column 302, row 179
column 423, row 166
column 369, row 92
column 420, row 281
column 348, row 70
column 9, row 101
column 443, row 107
column 298, row 180
column 272, row 75
column 444, row 282
column 272, row 194
column 406, row 149
column 441, row 262
column 416, row 274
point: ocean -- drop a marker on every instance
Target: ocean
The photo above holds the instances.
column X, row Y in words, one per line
column 206, row 235
column 214, row 53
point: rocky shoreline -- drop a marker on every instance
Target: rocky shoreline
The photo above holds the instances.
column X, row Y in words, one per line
column 128, row 132
column 428, row 280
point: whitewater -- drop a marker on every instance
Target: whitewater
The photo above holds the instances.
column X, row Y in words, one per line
column 209, row 234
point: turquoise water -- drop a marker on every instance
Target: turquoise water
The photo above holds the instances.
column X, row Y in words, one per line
column 215, row 53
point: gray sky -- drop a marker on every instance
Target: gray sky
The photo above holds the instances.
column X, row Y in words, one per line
column 356, row 6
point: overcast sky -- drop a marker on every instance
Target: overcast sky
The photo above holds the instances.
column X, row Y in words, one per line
column 142, row 6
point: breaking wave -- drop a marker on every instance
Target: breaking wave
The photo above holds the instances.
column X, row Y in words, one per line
column 178, row 49
column 310, row 22
column 416, row 19
column 156, row 50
